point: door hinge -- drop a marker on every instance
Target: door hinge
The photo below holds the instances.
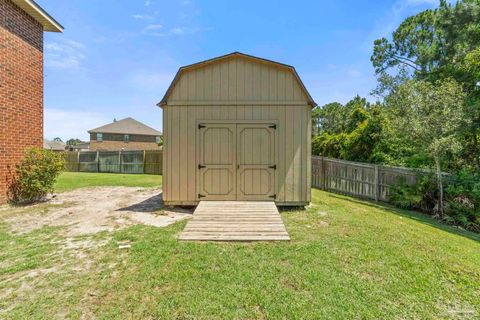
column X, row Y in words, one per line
column 273, row 126
column 201, row 196
column 273, row 196
column 200, row 126
column 201, row 166
column 274, row 167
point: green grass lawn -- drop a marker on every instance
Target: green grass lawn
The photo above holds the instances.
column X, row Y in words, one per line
column 73, row 180
column 348, row 259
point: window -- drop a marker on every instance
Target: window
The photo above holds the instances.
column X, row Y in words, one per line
column 99, row 136
column 126, row 138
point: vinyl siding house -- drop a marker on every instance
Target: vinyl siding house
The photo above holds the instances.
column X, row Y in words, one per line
column 237, row 127
column 22, row 24
column 125, row 134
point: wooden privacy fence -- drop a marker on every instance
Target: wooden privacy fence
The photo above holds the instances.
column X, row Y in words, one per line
column 143, row 161
column 353, row 178
column 358, row 179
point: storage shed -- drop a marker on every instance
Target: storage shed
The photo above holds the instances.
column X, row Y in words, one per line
column 237, row 127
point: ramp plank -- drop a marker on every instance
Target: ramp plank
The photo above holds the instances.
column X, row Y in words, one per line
column 235, row 221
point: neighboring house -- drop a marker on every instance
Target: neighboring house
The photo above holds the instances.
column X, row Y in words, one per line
column 81, row 146
column 237, row 127
column 125, row 134
column 54, row 145
column 22, row 23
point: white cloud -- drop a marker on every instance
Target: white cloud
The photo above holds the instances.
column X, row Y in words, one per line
column 158, row 30
column 141, row 17
column 177, row 31
column 152, row 29
column 68, row 124
column 64, row 54
column 147, row 3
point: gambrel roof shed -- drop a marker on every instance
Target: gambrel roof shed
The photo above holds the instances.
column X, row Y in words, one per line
column 236, row 127
column 235, row 78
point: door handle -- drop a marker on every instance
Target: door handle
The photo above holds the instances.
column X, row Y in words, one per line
column 274, row 167
column 201, row 166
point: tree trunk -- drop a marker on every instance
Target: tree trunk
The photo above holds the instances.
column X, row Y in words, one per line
column 476, row 148
column 439, row 186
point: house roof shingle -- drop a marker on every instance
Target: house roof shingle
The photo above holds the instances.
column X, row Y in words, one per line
column 126, row 126
column 54, row 145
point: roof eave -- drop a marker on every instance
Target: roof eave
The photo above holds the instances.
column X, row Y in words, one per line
column 39, row 14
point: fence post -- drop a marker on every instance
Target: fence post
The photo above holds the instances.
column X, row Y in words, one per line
column 98, row 161
column 322, row 174
column 376, row 182
column 78, row 161
column 120, row 161
column 144, row 161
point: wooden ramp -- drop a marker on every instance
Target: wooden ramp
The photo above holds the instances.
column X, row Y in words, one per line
column 235, row 221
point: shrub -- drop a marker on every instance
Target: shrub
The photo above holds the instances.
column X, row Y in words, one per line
column 36, row 175
column 421, row 196
column 405, row 196
column 461, row 202
column 462, row 197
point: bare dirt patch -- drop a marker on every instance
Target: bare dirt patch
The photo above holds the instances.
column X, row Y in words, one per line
column 91, row 210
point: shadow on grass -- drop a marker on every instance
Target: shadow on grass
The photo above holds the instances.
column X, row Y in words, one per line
column 282, row 209
column 413, row 215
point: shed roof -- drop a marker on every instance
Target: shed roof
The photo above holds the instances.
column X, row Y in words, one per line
column 183, row 69
column 127, row 126
column 39, row 14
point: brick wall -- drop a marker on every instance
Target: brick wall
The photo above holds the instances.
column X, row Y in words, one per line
column 21, row 88
column 119, row 145
column 120, row 137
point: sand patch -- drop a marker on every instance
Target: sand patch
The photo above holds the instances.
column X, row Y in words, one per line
column 91, row 210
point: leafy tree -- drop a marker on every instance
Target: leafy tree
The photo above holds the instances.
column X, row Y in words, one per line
column 350, row 131
column 316, row 118
column 73, row 142
column 57, row 139
column 430, row 114
column 435, row 45
column 331, row 118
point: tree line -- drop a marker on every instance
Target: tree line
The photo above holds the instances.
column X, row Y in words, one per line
column 427, row 113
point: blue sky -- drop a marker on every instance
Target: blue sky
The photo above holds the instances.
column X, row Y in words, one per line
column 116, row 58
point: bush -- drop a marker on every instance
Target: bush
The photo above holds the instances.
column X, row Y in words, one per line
column 461, row 202
column 462, row 197
column 422, row 196
column 36, row 175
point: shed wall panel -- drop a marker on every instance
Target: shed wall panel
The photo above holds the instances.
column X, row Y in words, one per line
column 181, row 126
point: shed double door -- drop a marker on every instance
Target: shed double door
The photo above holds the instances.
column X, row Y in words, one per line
column 236, row 161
